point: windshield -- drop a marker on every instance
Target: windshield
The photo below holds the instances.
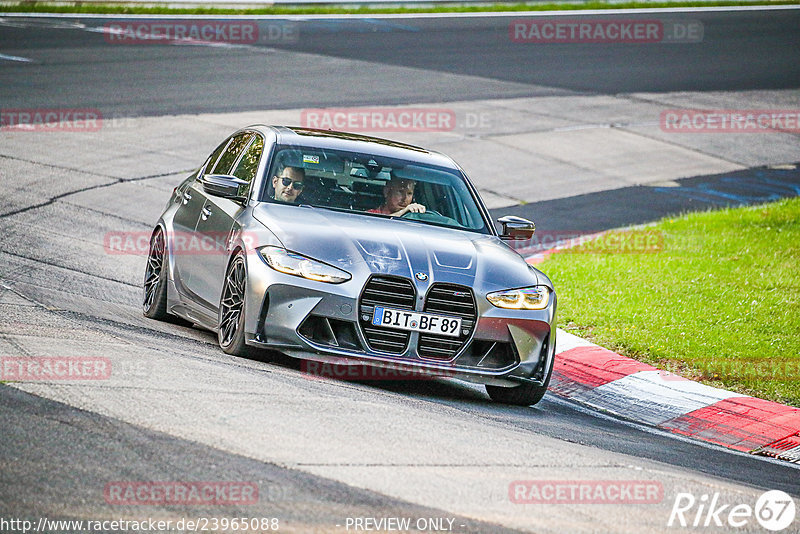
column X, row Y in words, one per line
column 372, row 185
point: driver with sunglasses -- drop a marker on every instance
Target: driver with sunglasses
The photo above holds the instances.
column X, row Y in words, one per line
column 288, row 184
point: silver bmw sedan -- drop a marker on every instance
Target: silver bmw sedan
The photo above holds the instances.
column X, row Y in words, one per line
column 340, row 248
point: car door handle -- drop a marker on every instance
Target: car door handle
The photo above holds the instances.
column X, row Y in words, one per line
column 206, row 213
column 186, row 197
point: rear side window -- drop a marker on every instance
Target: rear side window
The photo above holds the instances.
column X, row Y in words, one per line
column 248, row 164
column 234, row 148
column 212, row 159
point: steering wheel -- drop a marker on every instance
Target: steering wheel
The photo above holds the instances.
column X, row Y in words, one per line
column 431, row 216
column 421, row 216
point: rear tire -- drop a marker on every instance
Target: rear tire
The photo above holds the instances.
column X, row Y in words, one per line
column 522, row 395
column 154, row 299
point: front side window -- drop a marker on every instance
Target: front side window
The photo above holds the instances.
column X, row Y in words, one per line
column 372, row 185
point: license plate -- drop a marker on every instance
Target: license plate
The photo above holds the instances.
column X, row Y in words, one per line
column 416, row 321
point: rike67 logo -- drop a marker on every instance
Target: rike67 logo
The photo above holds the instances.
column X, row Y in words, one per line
column 774, row 510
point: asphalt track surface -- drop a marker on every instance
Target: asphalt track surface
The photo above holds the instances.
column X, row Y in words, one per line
column 57, row 456
column 459, row 58
column 636, row 205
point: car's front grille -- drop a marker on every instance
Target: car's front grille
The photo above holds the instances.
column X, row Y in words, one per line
column 392, row 291
column 453, row 300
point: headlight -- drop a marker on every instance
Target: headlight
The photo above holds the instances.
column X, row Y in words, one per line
column 527, row 298
column 290, row 263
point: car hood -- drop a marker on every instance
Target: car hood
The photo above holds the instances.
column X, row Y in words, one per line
column 364, row 244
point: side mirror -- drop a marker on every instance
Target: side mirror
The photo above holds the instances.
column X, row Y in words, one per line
column 225, row 186
column 516, row 228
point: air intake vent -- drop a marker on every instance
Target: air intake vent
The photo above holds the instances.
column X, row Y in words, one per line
column 454, row 300
column 487, row 354
column 331, row 332
column 391, row 291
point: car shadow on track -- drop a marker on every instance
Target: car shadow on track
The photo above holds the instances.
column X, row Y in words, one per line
column 404, row 382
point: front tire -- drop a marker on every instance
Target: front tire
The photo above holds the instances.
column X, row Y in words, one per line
column 154, row 301
column 522, row 395
column 231, row 309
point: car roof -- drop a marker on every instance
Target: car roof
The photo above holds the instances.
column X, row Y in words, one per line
column 293, row 135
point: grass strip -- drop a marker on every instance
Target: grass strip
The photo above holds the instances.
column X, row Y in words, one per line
column 344, row 8
column 713, row 296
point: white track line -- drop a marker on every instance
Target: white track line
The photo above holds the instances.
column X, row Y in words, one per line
column 488, row 14
column 16, row 58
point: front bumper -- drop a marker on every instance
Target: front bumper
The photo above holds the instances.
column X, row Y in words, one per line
column 320, row 322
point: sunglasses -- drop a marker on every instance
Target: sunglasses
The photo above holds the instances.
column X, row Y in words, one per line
column 297, row 186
